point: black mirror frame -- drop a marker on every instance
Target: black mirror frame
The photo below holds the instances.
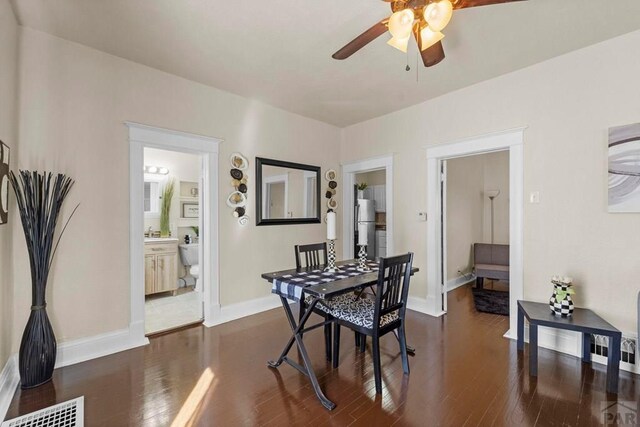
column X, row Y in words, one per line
column 260, row 161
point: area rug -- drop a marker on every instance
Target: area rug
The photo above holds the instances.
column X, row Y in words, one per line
column 488, row 301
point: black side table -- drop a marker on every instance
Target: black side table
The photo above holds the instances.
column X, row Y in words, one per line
column 582, row 320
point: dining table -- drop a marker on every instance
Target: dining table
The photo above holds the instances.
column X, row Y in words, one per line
column 313, row 285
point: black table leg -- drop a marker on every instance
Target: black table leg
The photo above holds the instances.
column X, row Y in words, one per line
column 297, row 337
column 613, row 363
column 533, row 349
column 586, row 347
column 520, row 328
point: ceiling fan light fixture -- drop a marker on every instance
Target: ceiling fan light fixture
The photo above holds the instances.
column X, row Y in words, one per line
column 399, row 43
column 438, row 14
column 401, row 23
column 428, row 37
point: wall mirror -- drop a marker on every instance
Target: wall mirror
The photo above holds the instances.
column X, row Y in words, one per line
column 286, row 192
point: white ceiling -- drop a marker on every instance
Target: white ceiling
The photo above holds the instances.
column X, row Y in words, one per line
column 279, row 51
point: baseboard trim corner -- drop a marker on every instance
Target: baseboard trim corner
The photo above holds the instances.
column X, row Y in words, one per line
column 83, row 349
column 242, row 309
column 459, row 281
column 9, row 380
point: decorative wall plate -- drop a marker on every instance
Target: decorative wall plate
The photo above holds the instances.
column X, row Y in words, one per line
column 333, row 184
column 332, row 204
column 236, row 173
column 330, row 175
column 238, row 212
column 242, row 188
column 243, row 220
column 236, row 200
column 238, row 161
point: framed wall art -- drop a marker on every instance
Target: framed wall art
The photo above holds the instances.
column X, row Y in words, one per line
column 624, row 168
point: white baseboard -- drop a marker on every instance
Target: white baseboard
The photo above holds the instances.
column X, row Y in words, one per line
column 246, row 308
column 459, row 281
column 568, row 342
column 423, row 305
column 83, row 349
column 9, row 380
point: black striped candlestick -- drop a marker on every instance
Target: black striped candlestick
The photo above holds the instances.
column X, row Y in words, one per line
column 362, row 259
column 331, row 258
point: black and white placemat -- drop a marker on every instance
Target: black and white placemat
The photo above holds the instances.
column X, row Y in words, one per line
column 290, row 285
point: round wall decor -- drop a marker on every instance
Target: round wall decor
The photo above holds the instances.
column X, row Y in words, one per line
column 236, row 174
column 238, row 161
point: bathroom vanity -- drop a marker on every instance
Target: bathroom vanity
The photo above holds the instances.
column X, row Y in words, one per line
column 160, row 265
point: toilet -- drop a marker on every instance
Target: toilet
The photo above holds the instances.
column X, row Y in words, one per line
column 189, row 255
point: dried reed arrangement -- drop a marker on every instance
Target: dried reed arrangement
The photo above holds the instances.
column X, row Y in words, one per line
column 165, row 207
column 39, row 198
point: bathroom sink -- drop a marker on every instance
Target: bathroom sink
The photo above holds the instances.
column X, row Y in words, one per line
column 160, row 239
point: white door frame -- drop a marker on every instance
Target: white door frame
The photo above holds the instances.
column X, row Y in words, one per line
column 513, row 141
column 349, row 171
column 140, row 137
column 266, row 194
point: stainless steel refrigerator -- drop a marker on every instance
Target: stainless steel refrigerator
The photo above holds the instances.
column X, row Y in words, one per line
column 365, row 213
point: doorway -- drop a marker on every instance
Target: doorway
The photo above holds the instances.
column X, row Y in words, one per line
column 172, row 289
column 195, row 201
column 475, row 237
column 380, row 171
column 511, row 141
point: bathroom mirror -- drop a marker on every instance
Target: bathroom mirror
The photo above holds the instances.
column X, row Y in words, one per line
column 286, row 192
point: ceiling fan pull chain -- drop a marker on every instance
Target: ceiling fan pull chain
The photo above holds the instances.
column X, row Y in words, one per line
column 407, row 68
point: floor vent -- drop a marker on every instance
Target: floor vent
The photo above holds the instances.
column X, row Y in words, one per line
column 628, row 348
column 67, row 414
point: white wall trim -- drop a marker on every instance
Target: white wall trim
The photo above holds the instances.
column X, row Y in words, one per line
column 423, row 305
column 9, row 380
column 246, row 308
column 349, row 170
column 456, row 282
column 511, row 140
column 83, row 349
column 140, row 137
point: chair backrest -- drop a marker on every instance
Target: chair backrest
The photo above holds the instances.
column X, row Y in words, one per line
column 393, row 286
column 313, row 254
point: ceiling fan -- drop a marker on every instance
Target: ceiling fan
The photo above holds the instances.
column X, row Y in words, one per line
column 424, row 19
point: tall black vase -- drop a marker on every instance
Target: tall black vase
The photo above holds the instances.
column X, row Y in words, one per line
column 37, row 350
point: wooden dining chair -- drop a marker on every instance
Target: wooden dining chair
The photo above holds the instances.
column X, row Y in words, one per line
column 312, row 255
column 378, row 317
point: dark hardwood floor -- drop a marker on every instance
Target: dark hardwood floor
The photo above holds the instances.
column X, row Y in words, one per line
column 464, row 374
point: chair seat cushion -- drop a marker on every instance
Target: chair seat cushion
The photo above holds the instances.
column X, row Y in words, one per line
column 359, row 312
column 327, row 305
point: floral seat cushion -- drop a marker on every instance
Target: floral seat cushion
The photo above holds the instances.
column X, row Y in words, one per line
column 359, row 312
column 327, row 305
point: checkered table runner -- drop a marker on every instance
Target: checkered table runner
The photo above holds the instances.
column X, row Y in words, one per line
column 290, row 285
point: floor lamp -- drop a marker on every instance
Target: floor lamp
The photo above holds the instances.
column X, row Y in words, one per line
column 492, row 194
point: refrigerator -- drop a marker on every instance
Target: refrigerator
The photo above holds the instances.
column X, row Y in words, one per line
column 365, row 214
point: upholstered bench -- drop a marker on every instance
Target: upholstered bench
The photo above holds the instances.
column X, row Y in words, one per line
column 490, row 261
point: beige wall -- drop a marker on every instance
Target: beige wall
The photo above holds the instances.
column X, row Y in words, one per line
column 469, row 209
column 9, row 135
column 465, row 212
column 568, row 103
column 378, row 177
column 74, row 103
column 496, row 177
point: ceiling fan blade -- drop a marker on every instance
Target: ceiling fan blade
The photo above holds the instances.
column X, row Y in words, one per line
column 362, row 40
column 431, row 55
column 461, row 4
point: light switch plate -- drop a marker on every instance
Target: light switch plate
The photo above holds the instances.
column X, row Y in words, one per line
column 422, row 216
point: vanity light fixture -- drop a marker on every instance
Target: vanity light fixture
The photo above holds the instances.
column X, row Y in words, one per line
column 156, row 170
